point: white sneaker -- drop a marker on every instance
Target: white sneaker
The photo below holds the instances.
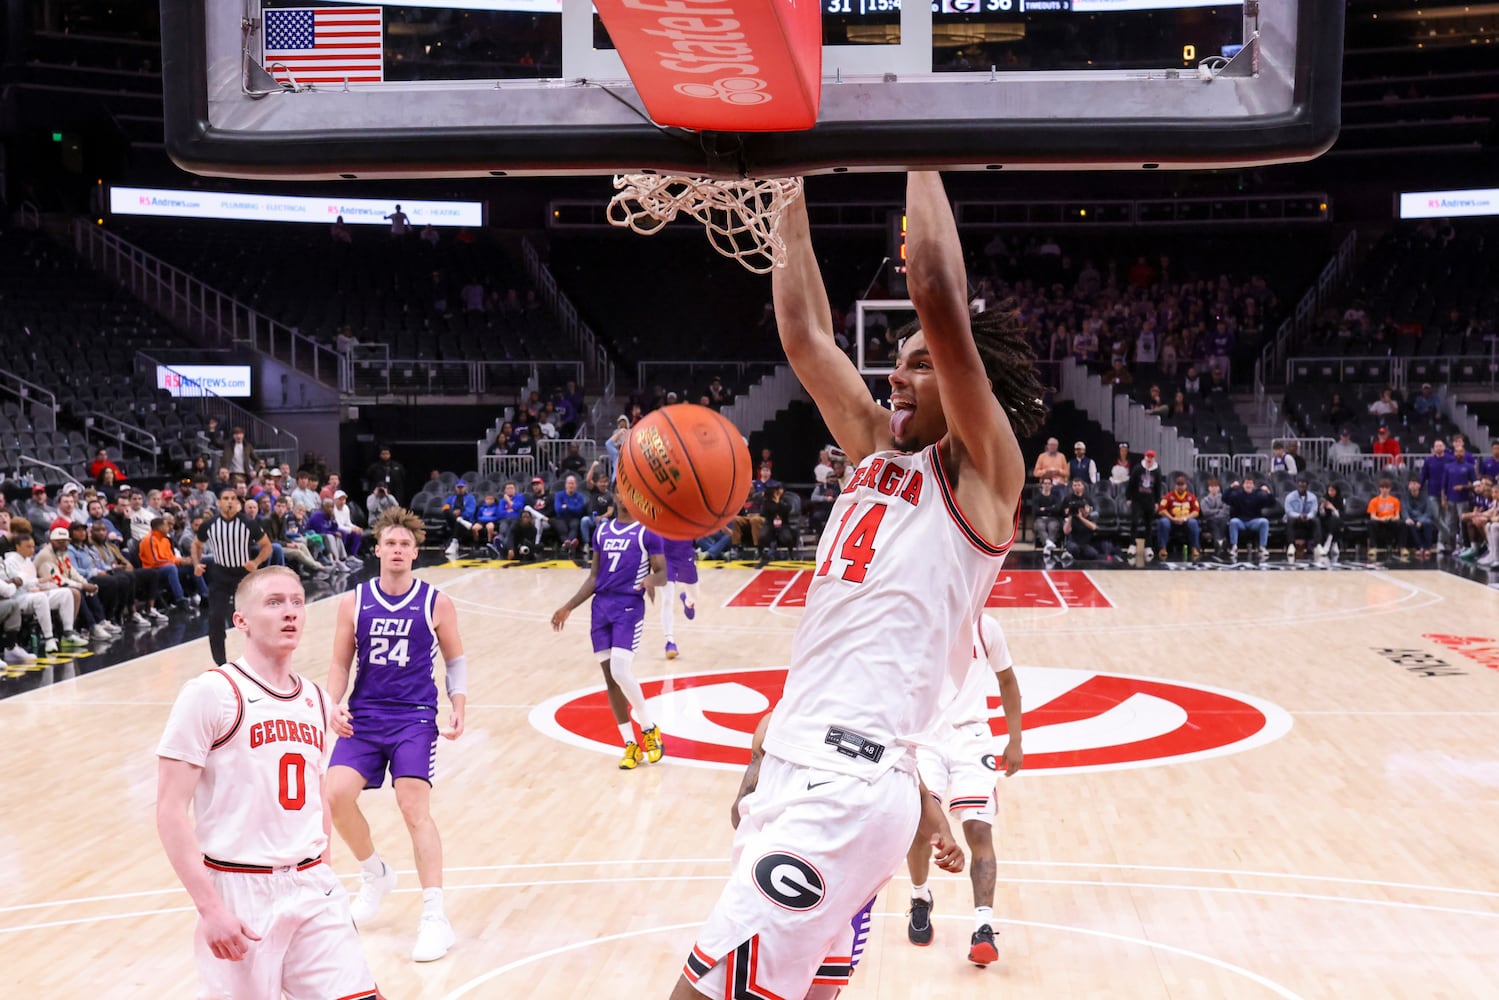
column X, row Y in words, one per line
column 1233, row 552
column 113, row 628
column 452, row 550
column 17, row 655
column 137, row 618
column 156, row 616
column 434, row 936
column 100, row 632
column 372, row 889
column 1049, row 545
column 49, row 647
column 1322, row 549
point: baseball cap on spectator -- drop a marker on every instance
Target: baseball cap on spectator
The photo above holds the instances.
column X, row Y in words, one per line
column 340, row 493
column 72, row 488
column 1150, row 454
column 1344, row 432
column 59, row 533
column 1078, row 445
column 1383, row 429
column 59, row 522
column 622, row 419
column 167, row 494
column 460, row 484
column 537, row 479
column 671, row 395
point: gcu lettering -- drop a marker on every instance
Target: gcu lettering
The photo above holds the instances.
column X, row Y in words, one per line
column 391, row 626
column 889, row 478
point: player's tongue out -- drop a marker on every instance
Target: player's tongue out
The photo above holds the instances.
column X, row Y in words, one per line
column 900, row 421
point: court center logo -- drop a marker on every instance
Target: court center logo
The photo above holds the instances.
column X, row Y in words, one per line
column 1075, row 721
column 788, row 881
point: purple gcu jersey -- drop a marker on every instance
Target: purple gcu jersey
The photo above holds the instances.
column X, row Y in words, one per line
column 395, row 643
column 624, row 553
column 681, row 561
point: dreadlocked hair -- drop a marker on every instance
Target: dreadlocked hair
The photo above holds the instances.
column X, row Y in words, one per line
column 1009, row 360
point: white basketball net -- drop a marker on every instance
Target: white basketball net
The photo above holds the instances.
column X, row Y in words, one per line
column 742, row 217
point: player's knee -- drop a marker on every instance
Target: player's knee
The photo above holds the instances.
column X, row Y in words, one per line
column 980, row 837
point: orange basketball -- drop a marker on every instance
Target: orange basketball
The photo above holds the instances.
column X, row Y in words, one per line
column 684, row 471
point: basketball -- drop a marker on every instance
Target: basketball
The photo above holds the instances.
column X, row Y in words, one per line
column 684, row 471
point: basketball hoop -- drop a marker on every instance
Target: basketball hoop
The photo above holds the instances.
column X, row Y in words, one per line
column 742, row 217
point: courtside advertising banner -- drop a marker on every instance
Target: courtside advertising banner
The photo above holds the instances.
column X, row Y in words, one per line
column 1448, row 204
column 722, row 65
column 322, row 210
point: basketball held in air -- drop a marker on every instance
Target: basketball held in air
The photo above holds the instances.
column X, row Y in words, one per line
column 684, row 471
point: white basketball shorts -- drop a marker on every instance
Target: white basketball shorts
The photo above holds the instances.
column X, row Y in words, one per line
column 961, row 770
column 812, row 850
column 308, row 948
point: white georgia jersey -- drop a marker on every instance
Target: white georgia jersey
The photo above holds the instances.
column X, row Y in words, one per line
column 901, row 578
column 972, row 701
column 259, row 800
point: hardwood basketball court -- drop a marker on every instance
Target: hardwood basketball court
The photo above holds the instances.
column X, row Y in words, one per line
column 1237, row 785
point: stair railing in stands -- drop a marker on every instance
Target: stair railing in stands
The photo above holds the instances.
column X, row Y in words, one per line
column 596, row 362
column 268, row 439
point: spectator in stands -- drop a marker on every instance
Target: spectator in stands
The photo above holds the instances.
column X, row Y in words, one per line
column 386, row 472
column 539, row 503
column 400, row 223
column 568, row 508
column 718, row 394
column 1119, row 374
column 1192, row 382
column 1155, row 405
column 748, row 517
column 1080, row 531
column 1246, row 507
column 329, row 488
column 1144, row 495
column 139, row 516
column 1489, row 467
column 1386, row 447
column 824, row 466
column 1330, row 516
column 1220, row 349
column 487, row 519
column 40, row 597
column 841, row 472
column 1338, row 411
column 1458, row 478
column 429, row 235
column 1343, row 453
column 100, row 463
column 213, row 435
column 820, row 504
column 1051, row 464
column 1280, row 461
column 1385, row 407
column 524, row 443
column 54, row 563
column 304, row 494
column 1303, row 527
column 323, row 522
column 95, row 515
column 339, row 233
column 352, row 531
column 1488, row 523
column 1418, row 517
column 1427, row 406
column 1217, row 384
column 1169, row 356
column 1048, row 508
column 159, row 556
column 1082, row 467
column 252, row 514
column 239, row 455
column 1384, row 519
column 1181, row 406
column 40, row 512
column 67, row 505
column 598, row 507
column 1119, row 474
column 462, row 512
column 572, row 462
column 714, row 546
column 778, row 531
column 377, row 503
column 115, row 590
column 279, row 530
column 1179, row 509
column 1215, row 514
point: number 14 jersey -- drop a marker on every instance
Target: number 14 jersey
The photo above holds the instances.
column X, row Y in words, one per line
column 901, row 579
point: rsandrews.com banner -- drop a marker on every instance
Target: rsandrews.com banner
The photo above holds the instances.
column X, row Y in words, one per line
column 204, row 380
column 289, row 208
column 1448, row 204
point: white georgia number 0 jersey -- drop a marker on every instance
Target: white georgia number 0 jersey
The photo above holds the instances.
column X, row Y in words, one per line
column 901, row 579
column 259, row 798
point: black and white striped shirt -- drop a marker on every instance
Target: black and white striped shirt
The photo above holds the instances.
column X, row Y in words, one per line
column 230, row 540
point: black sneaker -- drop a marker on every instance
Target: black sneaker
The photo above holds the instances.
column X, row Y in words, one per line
column 919, row 922
column 981, row 947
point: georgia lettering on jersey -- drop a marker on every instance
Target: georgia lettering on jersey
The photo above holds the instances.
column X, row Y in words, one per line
column 901, row 579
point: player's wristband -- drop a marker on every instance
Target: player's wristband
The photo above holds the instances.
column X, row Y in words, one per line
column 456, row 675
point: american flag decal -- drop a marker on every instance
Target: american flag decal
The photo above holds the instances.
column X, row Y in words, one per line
column 324, row 44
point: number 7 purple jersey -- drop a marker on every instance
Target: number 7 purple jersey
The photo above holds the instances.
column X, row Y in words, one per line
column 624, row 553
column 395, row 646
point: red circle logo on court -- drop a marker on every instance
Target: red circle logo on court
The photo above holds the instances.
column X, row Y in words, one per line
column 1075, row 720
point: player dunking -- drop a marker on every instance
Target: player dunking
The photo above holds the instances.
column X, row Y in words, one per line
column 957, row 761
column 245, row 747
column 914, row 544
column 627, row 568
column 681, row 584
column 393, row 627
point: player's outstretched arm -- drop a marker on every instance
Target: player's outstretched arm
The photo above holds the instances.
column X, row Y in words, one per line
column 584, row 592
column 176, row 780
column 751, row 779
column 1009, row 696
column 937, row 281
column 805, row 322
column 341, row 663
column 455, row 665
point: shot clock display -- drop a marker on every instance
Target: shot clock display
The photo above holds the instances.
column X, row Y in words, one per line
column 1042, row 35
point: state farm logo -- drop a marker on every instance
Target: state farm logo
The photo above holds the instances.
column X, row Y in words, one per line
column 1075, row 721
column 745, row 91
column 709, row 41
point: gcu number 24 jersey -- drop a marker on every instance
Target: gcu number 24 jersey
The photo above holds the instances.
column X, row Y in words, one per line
column 259, row 800
column 901, row 580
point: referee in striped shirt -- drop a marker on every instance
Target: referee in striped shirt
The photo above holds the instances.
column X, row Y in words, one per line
column 230, row 535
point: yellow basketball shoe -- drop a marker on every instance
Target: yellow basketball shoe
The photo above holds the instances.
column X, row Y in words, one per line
column 655, row 746
column 633, row 758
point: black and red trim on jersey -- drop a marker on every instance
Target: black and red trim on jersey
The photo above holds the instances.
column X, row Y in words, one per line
column 698, row 965
column 969, row 803
column 235, row 866
column 950, row 498
column 239, row 711
column 361, row 995
column 278, row 695
column 834, row 971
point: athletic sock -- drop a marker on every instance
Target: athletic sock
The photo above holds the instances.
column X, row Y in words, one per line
column 983, row 915
column 432, row 900
column 921, row 892
column 373, row 864
column 626, row 734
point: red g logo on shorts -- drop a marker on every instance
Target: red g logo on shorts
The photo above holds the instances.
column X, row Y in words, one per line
column 1075, row 720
